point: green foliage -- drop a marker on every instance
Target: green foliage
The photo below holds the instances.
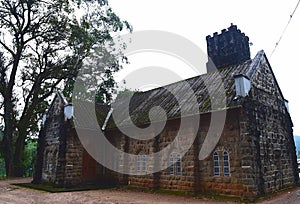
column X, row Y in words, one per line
column 43, row 44
column 2, row 168
column 29, row 157
column 27, row 164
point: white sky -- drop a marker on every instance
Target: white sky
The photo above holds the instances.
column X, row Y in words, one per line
column 262, row 20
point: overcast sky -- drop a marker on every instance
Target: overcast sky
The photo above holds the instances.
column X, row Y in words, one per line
column 262, row 20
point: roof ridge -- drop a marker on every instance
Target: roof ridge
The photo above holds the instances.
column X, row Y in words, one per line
column 255, row 64
column 188, row 79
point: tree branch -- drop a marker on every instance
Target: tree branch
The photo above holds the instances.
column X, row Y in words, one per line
column 7, row 48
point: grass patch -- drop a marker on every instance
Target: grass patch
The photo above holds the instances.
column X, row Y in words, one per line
column 52, row 189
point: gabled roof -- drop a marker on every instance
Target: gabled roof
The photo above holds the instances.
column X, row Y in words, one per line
column 61, row 98
column 142, row 102
column 222, row 91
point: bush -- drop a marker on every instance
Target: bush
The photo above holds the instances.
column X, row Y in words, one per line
column 29, row 157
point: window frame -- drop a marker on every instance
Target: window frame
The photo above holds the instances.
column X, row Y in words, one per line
column 144, row 163
column 216, row 163
column 178, row 164
column 141, row 163
column 138, row 163
column 226, row 164
column 175, row 164
column 171, row 164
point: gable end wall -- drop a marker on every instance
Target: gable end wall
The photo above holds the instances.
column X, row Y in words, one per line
column 270, row 136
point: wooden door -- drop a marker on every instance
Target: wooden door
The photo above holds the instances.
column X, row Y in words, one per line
column 88, row 167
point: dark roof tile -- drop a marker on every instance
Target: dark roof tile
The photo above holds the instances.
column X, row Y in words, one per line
column 142, row 102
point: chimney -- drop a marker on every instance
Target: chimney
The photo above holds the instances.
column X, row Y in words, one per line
column 229, row 48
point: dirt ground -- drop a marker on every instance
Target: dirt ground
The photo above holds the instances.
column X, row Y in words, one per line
column 18, row 195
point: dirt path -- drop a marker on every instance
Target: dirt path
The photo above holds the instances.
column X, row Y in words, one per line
column 289, row 197
column 18, row 195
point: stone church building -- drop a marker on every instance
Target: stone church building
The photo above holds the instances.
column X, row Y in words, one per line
column 255, row 154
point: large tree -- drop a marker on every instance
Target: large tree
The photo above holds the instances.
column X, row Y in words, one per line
column 42, row 46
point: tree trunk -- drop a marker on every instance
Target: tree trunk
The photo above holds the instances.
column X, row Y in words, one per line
column 7, row 154
column 7, row 137
column 19, row 150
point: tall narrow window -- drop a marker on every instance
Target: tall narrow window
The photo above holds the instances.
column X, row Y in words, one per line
column 144, row 163
column 178, row 164
column 138, row 163
column 175, row 164
column 226, row 163
column 216, row 164
column 171, row 164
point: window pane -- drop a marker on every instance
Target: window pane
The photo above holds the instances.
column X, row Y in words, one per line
column 171, row 164
column 216, row 164
column 138, row 161
column 226, row 163
column 144, row 164
column 178, row 165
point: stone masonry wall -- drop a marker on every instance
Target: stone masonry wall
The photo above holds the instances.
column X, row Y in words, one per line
column 269, row 150
column 250, row 163
column 55, row 118
column 195, row 175
column 73, row 156
column 76, row 157
column 162, row 179
column 230, row 141
column 186, row 180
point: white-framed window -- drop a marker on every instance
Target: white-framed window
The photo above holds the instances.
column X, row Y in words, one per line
column 144, row 163
column 141, row 163
column 175, row 164
column 226, row 163
column 216, row 164
column 171, row 164
column 138, row 163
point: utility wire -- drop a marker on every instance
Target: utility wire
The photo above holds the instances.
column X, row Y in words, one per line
column 291, row 16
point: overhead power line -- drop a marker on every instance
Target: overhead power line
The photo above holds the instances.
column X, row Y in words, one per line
column 283, row 32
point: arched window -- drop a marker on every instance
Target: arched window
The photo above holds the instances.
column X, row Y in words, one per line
column 171, row 164
column 138, row 163
column 226, row 163
column 216, row 164
column 141, row 163
column 175, row 164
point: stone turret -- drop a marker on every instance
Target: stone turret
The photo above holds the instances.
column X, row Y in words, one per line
column 229, row 48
